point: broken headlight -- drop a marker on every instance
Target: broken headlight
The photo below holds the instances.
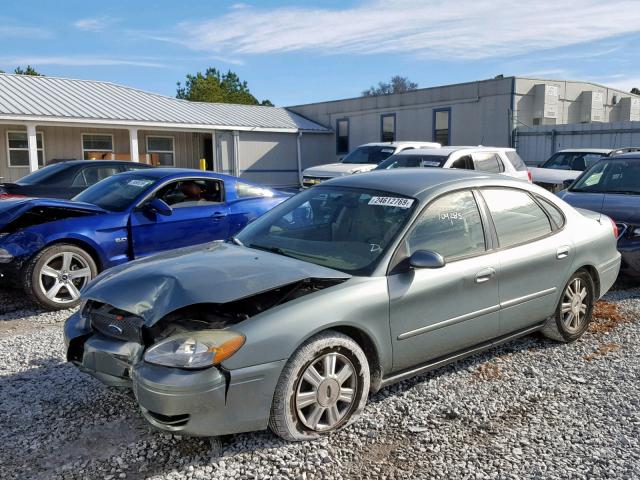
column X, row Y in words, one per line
column 199, row 349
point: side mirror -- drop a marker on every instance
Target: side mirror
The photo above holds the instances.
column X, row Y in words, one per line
column 160, row 207
column 426, row 259
column 567, row 183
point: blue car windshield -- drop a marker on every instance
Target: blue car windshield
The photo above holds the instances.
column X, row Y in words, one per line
column 341, row 228
column 610, row 176
column 117, row 193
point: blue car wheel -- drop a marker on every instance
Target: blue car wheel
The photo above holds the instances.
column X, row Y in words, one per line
column 56, row 275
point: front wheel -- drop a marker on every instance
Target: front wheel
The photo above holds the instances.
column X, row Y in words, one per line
column 55, row 276
column 323, row 388
column 574, row 310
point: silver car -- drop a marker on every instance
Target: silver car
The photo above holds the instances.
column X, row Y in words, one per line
column 340, row 291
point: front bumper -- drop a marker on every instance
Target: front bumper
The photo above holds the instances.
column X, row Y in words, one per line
column 207, row 402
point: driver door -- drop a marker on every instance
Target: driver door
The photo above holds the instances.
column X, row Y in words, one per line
column 434, row 312
column 199, row 215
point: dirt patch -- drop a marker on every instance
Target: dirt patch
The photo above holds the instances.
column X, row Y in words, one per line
column 487, row 371
column 602, row 351
column 606, row 317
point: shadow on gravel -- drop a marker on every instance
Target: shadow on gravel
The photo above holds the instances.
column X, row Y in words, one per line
column 15, row 301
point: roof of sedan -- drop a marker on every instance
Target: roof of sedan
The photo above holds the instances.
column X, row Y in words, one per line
column 410, row 182
column 178, row 172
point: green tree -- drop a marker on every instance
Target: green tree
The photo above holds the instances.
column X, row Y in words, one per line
column 27, row 71
column 635, row 91
column 217, row 87
column 397, row 84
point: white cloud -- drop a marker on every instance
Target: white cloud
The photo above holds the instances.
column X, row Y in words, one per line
column 17, row 31
column 93, row 24
column 459, row 29
column 78, row 61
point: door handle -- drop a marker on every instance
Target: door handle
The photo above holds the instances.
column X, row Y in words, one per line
column 218, row 216
column 562, row 252
column 485, row 275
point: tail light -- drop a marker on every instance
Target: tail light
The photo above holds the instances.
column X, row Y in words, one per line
column 530, row 176
column 615, row 228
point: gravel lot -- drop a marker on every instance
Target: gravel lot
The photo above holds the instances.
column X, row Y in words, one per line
column 530, row 409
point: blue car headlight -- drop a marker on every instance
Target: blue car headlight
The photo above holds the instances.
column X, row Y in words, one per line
column 636, row 232
column 198, row 349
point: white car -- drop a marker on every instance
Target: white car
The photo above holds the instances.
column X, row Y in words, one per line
column 485, row 159
column 567, row 165
column 363, row 159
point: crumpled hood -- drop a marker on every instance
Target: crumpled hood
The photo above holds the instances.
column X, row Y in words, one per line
column 337, row 169
column 215, row 273
column 12, row 207
column 553, row 175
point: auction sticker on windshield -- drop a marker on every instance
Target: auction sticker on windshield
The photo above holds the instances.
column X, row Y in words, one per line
column 140, row 183
column 391, row 202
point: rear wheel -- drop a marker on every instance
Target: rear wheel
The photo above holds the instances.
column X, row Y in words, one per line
column 323, row 388
column 55, row 276
column 574, row 310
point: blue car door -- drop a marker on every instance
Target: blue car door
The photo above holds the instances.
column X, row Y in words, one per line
column 198, row 215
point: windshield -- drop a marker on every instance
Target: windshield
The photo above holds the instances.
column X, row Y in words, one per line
column 573, row 160
column 46, row 174
column 341, row 228
column 610, row 176
column 117, row 193
column 370, row 154
column 409, row 161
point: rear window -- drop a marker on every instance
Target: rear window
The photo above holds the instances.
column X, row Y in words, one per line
column 515, row 160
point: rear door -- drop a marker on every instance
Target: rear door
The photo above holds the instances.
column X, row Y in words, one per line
column 535, row 254
column 434, row 312
column 199, row 215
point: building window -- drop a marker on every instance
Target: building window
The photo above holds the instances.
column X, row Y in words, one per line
column 388, row 128
column 442, row 126
column 161, row 151
column 97, row 146
column 342, row 136
column 18, row 149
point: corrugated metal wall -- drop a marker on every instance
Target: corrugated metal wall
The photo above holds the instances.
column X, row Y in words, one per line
column 269, row 158
column 536, row 144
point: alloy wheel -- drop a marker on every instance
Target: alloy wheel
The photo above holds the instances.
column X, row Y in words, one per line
column 326, row 391
column 63, row 276
column 574, row 305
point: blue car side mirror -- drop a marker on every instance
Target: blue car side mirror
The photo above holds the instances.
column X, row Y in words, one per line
column 160, row 207
column 426, row 259
column 567, row 183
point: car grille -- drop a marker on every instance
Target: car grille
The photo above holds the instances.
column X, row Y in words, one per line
column 311, row 181
column 116, row 323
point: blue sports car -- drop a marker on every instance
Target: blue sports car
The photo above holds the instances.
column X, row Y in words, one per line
column 612, row 187
column 53, row 248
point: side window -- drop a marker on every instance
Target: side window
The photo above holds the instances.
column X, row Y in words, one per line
column 245, row 190
column 191, row 193
column 488, row 162
column 517, row 218
column 90, row 175
column 451, row 226
column 463, row 162
column 515, row 160
column 554, row 212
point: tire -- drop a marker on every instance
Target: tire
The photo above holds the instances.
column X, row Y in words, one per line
column 55, row 275
column 296, row 402
column 574, row 312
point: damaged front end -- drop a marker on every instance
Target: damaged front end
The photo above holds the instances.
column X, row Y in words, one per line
column 174, row 365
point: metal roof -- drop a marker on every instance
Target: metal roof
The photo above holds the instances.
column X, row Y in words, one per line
column 48, row 99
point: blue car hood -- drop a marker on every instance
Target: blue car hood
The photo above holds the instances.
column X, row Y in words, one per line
column 215, row 273
column 621, row 208
column 12, row 208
